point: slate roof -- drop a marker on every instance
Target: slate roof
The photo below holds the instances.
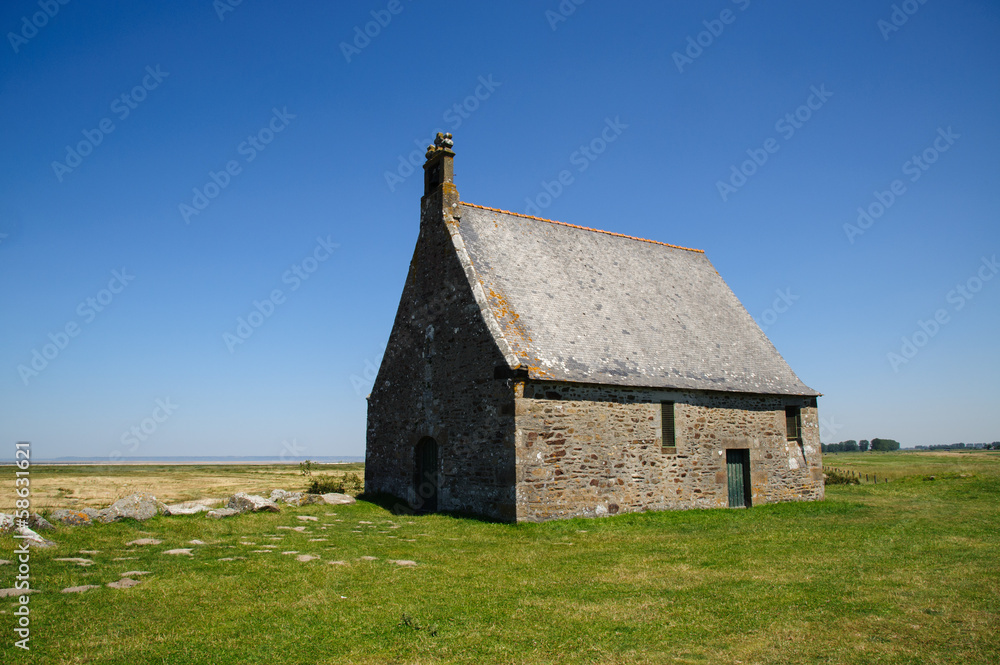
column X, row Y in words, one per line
column 582, row 305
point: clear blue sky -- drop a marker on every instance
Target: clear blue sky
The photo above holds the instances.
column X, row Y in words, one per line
column 182, row 90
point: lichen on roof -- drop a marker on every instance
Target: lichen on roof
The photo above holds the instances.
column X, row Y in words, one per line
column 583, row 305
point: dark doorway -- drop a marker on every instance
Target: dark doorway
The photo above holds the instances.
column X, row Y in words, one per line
column 738, row 477
column 425, row 475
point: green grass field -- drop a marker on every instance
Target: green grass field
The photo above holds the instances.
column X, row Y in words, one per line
column 904, row 572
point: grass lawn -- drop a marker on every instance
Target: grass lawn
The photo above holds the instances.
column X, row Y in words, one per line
column 904, row 572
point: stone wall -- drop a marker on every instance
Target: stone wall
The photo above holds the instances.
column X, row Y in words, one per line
column 597, row 450
column 437, row 380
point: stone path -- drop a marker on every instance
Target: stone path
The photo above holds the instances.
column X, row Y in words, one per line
column 123, row 583
column 145, row 541
column 182, row 550
column 80, row 589
column 8, row 593
column 79, row 562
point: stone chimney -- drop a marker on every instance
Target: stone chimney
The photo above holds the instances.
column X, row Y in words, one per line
column 439, row 173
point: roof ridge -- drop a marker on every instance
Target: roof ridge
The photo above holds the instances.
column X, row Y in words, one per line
column 584, row 228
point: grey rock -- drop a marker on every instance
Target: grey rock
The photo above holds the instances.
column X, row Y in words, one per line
column 305, row 558
column 336, row 499
column 244, row 502
column 123, row 583
column 219, row 513
column 39, row 523
column 138, row 506
column 76, row 560
column 80, row 589
column 191, row 507
column 183, row 550
column 71, row 517
column 33, row 539
column 6, row 523
column 403, row 562
column 144, row 541
column 134, row 573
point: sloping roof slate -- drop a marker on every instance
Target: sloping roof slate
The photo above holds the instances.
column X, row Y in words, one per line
column 581, row 305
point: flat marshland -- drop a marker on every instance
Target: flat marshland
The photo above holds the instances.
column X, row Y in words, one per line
column 904, row 572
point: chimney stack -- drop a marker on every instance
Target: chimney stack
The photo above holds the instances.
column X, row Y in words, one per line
column 439, row 169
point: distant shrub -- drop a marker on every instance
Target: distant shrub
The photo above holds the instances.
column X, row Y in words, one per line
column 339, row 484
column 834, row 477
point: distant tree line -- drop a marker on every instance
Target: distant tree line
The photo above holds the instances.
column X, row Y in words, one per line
column 863, row 446
column 962, row 446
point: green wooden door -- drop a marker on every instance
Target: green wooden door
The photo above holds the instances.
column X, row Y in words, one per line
column 738, row 477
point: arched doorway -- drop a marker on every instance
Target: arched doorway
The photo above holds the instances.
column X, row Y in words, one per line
column 425, row 475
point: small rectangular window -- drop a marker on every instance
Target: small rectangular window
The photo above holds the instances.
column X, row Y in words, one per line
column 793, row 423
column 669, row 437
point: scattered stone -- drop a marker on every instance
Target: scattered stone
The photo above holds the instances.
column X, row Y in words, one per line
column 336, row 499
column 144, row 541
column 307, row 518
column 305, row 558
column 219, row 513
column 80, row 562
column 227, row 558
column 368, row 558
column 39, row 523
column 80, row 589
column 125, row 558
column 90, row 551
column 261, row 551
column 316, row 540
column 244, row 502
column 181, row 550
column 4, row 562
column 192, row 507
column 33, row 539
column 197, row 542
column 138, row 506
column 71, row 517
column 403, row 562
column 8, row 593
column 299, row 529
column 123, row 583
column 133, row 573
column 291, row 552
column 363, row 522
column 337, row 563
column 6, row 523
column 270, row 547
